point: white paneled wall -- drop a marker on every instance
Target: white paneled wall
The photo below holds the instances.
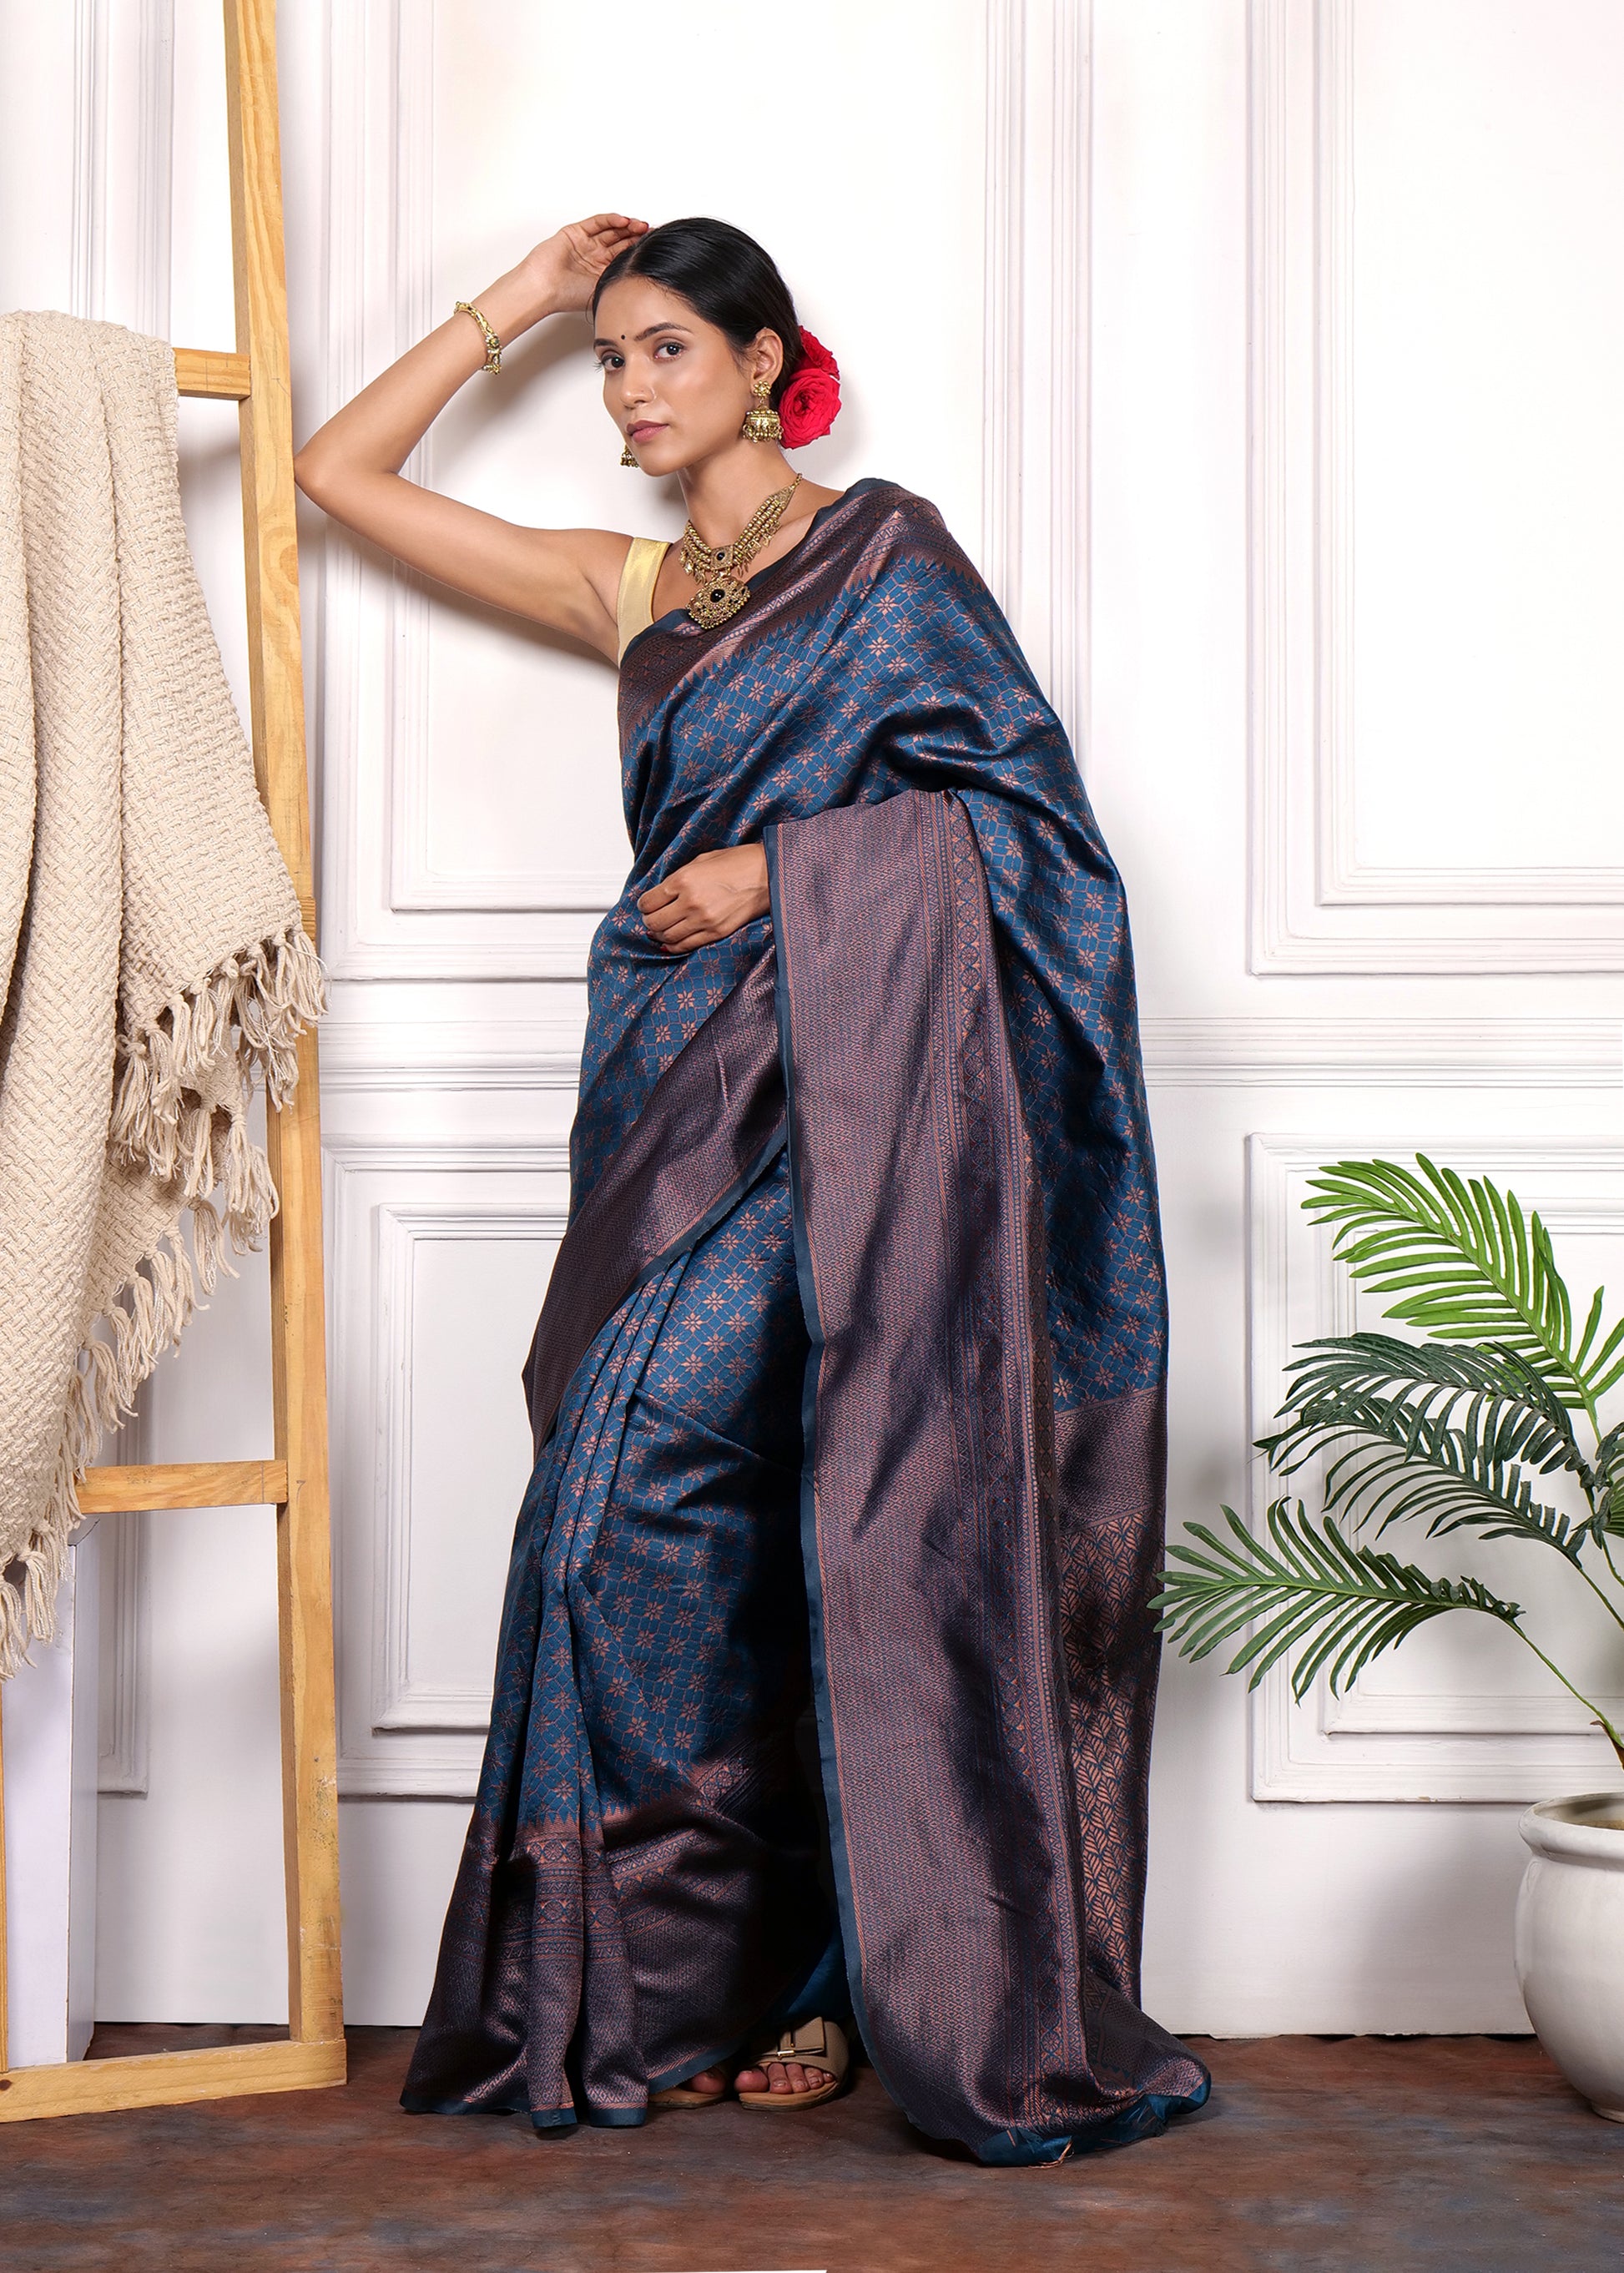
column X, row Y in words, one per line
column 1437, row 485
column 1262, row 352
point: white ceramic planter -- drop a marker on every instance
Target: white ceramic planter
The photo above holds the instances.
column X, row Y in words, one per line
column 1570, row 1941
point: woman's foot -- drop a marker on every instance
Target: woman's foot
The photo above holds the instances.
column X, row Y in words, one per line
column 707, row 2088
column 786, row 2077
column 800, row 2067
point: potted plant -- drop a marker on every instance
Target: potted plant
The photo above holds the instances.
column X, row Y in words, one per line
column 1455, row 1431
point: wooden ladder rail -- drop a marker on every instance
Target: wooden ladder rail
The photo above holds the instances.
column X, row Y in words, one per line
column 295, row 1482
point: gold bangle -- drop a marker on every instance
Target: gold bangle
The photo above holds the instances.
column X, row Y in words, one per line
column 492, row 345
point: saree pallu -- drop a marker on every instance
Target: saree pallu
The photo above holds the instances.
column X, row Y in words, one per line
column 901, row 1440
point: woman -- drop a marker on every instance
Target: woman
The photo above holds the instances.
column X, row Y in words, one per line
column 848, row 1384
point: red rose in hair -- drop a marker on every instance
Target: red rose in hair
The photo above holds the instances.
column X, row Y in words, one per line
column 808, row 405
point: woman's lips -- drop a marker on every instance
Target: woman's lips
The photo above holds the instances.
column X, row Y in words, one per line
column 645, row 427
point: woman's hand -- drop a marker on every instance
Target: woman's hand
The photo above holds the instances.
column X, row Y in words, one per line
column 715, row 894
column 563, row 268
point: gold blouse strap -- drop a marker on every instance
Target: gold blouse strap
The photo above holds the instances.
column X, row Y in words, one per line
column 634, row 603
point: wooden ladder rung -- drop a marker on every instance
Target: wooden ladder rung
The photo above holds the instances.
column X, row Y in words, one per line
column 219, row 377
column 184, row 1483
column 167, row 2079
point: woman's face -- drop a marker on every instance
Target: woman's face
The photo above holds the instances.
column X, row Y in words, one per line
column 673, row 384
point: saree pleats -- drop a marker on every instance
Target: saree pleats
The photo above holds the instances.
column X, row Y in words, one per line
column 639, row 1887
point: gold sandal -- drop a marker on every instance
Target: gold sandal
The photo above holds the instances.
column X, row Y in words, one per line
column 817, row 2044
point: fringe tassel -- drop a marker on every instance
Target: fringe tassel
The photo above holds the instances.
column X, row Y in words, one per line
column 268, row 995
column 254, row 1005
column 146, row 1317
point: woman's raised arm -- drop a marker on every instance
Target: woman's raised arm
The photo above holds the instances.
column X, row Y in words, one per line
column 565, row 578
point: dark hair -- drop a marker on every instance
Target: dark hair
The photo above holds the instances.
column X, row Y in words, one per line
column 723, row 274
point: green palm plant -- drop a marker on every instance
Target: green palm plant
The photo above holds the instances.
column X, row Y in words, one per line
column 1454, row 1432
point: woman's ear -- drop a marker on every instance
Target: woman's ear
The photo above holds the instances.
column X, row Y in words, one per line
column 766, row 358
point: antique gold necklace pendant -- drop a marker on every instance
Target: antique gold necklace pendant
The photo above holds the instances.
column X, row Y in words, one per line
column 720, row 571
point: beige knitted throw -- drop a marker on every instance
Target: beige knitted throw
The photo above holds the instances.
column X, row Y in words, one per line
column 150, row 952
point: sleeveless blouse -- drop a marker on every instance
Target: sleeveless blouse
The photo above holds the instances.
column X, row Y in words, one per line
column 634, row 602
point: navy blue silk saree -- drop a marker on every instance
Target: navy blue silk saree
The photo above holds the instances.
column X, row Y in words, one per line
column 848, row 1407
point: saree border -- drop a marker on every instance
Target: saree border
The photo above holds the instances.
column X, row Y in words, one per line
column 845, row 1899
column 671, row 1179
column 1082, row 2060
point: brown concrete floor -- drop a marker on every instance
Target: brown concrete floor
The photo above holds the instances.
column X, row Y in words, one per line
column 1449, row 2154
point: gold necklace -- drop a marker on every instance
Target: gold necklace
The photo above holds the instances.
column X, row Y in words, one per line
column 719, row 572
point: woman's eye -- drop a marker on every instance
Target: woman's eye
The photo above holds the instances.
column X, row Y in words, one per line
column 609, row 362
column 674, row 345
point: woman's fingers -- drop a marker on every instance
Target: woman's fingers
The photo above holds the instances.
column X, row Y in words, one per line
column 596, row 241
column 659, row 914
column 678, row 909
column 688, row 931
column 687, row 925
column 662, row 922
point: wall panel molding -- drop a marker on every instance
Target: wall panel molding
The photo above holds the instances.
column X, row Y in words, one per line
column 390, row 910
column 1315, row 905
column 528, row 1052
column 123, row 127
column 418, row 880
column 90, row 95
column 481, row 1050
column 1034, row 487
column 407, row 1728
column 1395, row 1743
column 123, row 1694
column 1542, row 1054
column 124, row 163
column 403, row 1701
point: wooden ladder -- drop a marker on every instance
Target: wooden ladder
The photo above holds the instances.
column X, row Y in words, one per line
column 295, row 1480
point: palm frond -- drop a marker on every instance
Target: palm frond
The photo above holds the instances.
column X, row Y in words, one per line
column 1608, row 1483
column 1601, row 1360
column 1306, row 1589
column 1435, row 1377
column 1467, row 1265
column 1493, row 1394
column 1401, row 1462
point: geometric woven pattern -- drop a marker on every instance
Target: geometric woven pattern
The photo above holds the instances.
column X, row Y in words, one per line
column 872, row 658
column 639, row 1885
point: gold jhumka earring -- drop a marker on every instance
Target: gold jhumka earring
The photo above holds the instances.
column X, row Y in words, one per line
column 627, row 455
column 762, row 423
